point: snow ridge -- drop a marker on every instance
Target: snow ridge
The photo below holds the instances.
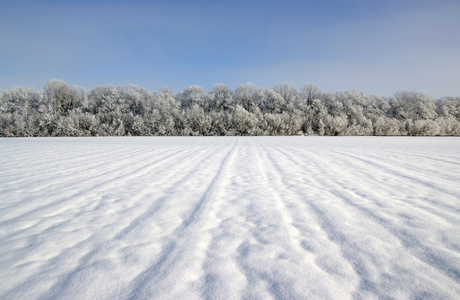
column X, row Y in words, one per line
column 230, row 218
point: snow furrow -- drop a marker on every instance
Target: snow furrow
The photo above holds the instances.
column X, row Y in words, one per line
column 327, row 253
column 139, row 171
column 429, row 254
column 230, row 218
column 182, row 247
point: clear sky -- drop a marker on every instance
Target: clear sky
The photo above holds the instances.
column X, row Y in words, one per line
column 371, row 46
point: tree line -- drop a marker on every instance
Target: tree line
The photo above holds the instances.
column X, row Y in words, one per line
column 61, row 110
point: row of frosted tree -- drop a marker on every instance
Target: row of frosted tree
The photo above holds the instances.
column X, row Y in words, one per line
column 61, row 110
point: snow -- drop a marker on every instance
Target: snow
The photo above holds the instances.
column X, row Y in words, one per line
column 230, row 218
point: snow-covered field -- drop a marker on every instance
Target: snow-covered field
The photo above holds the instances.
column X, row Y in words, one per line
column 230, row 218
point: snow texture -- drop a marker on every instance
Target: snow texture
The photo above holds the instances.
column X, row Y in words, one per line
column 230, row 218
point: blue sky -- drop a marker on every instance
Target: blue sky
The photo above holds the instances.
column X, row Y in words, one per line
column 371, row 46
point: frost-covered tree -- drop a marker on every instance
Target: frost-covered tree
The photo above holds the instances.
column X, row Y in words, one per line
column 197, row 120
column 62, row 97
column 448, row 107
column 272, row 102
column 190, row 96
column 309, row 92
column 106, row 99
column 137, row 98
column 385, row 126
column 164, row 116
column 377, row 106
column 20, row 112
column 287, row 91
column 316, row 118
column 59, row 110
column 412, row 105
column 221, row 123
column 220, row 98
column 354, row 106
column 248, row 96
column 244, row 122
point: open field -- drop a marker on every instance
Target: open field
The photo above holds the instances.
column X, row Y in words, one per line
column 230, row 218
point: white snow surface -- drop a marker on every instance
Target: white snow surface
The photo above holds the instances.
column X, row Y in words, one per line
column 230, row 218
